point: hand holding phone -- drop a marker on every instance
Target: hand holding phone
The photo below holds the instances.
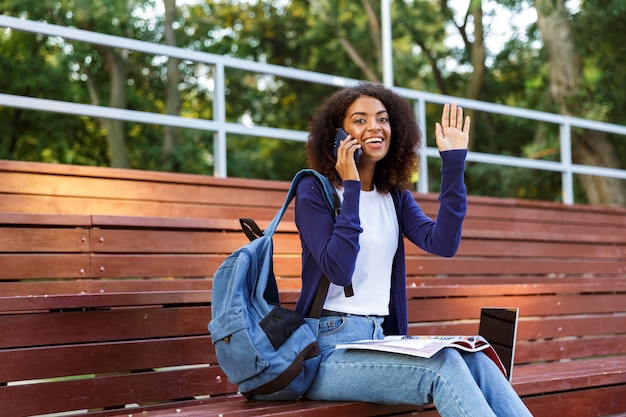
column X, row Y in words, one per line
column 339, row 136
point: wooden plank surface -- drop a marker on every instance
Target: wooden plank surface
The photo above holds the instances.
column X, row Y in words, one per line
column 75, row 288
column 536, row 328
column 569, row 375
column 46, row 219
column 301, row 408
column 80, row 205
column 30, row 363
column 22, row 239
column 442, row 309
column 44, row 266
column 435, row 266
column 57, row 328
column 597, row 402
column 112, row 391
column 27, row 303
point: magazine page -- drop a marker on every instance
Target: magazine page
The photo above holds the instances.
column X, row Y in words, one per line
column 426, row 346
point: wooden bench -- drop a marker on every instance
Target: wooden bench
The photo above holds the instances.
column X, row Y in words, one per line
column 105, row 293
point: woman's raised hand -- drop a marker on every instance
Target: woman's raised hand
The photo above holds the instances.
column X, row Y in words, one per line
column 452, row 132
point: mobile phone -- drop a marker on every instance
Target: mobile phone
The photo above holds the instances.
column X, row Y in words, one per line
column 339, row 136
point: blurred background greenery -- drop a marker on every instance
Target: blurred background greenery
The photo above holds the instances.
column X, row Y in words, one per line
column 565, row 57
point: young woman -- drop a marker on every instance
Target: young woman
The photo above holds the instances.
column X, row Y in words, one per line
column 363, row 247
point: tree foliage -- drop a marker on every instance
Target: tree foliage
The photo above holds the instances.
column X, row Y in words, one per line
column 340, row 37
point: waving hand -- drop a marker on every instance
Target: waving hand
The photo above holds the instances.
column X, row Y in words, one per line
column 452, row 132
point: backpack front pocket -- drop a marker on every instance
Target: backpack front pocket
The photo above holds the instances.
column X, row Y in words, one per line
column 230, row 334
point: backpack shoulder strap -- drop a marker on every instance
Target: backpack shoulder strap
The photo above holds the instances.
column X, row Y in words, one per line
column 329, row 191
column 252, row 231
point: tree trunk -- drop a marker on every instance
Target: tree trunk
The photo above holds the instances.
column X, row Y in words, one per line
column 173, row 101
column 594, row 148
column 477, row 58
column 370, row 72
column 589, row 148
column 116, row 129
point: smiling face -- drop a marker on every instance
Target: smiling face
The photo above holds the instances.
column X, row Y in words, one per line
column 367, row 121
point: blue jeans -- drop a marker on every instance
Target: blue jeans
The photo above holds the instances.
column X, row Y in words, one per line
column 458, row 383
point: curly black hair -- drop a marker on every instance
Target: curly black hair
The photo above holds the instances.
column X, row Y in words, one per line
column 394, row 172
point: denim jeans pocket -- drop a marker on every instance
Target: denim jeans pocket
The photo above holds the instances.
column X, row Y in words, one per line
column 330, row 325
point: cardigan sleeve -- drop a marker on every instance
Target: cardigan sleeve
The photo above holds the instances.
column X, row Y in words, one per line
column 443, row 235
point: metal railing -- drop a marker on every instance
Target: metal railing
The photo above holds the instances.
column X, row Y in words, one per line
column 220, row 127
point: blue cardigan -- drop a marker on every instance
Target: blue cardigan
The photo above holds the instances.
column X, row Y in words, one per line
column 330, row 245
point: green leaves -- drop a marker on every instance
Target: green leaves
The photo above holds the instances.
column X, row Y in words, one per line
column 340, row 37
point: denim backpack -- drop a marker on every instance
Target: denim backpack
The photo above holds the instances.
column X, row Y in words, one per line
column 269, row 351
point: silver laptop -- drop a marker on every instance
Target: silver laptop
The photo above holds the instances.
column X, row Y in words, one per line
column 499, row 327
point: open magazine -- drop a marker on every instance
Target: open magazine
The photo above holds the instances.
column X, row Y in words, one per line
column 427, row 346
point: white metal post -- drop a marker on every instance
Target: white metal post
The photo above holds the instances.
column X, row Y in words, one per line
column 387, row 52
column 422, row 183
column 567, row 177
column 219, row 115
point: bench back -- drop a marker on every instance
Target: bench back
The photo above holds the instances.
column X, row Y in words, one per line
column 68, row 189
column 518, row 237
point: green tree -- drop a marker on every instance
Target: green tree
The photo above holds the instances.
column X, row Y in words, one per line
column 340, row 37
column 93, row 74
column 571, row 92
column 173, row 98
column 37, row 66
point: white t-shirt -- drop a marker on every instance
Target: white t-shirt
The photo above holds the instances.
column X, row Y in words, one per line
column 378, row 243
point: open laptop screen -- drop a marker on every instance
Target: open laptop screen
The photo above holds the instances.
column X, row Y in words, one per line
column 499, row 327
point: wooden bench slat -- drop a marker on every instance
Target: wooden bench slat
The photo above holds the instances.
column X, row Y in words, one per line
column 597, row 402
column 21, row 364
column 539, row 249
column 159, row 241
column 72, row 301
column 511, row 285
column 166, row 265
column 36, row 266
column 92, row 287
column 301, row 408
column 182, row 241
column 541, row 211
column 63, row 170
column 433, row 309
column 130, row 189
column 539, row 231
column 200, row 265
column 183, row 265
column 186, row 223
column 158, row 407
column 230, row 224
column 535, row 328
column 19, row 239
column 30, row 219
column 567, row 349
column 54, row 328
column 571, row 375
column 513, row 266
column 113, row 390
column 77, row 206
